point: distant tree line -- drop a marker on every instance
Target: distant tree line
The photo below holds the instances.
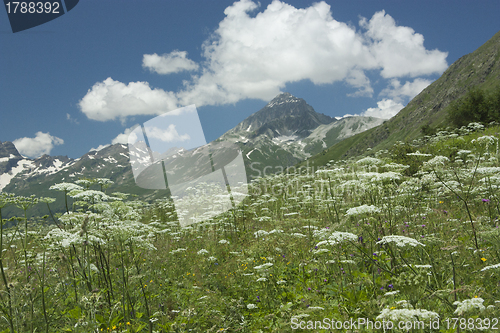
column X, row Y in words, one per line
column 476, row 106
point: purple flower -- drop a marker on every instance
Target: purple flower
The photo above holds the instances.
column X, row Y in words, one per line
column 309, row 289
column 324, row 280
column 381, row 288
column 486, row 200
column 390, row 286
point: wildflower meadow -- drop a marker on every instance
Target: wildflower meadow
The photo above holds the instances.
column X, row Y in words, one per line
column 408, row 234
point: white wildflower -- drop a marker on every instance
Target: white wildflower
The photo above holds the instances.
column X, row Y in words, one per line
column 260, row 233
column 469, row 304
column 417, row 153
column 400, row 315
column 315, row 308
column 490, row 267
column 266, row 265
column 177, row 250
column 251, row 306
column 202, row 251
column 437, row 161
column 369, row 161
column 400, row 241
column 363, row 209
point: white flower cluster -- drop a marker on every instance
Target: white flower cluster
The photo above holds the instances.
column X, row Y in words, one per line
column 369, row 161
column 437, row 161
column 66, row 187
column 400, row 241
column 363, row 209
column 202, row 251
column 260, row 233
column 417, row 153
column 490, row 267
column 266, row 265
column 399, row 315
column 468, row 305
column 177, row 250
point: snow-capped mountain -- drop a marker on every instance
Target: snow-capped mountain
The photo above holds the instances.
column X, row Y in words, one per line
column 286, row 131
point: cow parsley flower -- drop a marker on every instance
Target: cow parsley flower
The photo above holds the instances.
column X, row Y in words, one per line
column 251, row 306
column 399, row 315
column 177, row 250
column 437, row 161
column 369, row 161
column 363, row 209
column 66, row 187
column 315, row 308
column 266, row 265
column 400, row 241
column 202, row 251
column 260, row 233
column 490, row 267
column 468, row 305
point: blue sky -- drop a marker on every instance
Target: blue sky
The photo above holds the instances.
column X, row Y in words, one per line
column 82, row 80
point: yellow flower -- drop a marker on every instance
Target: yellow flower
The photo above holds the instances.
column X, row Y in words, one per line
column 393, row 307
column 441, row 202
column 114, row 327
column 483, row 259
column 128, row 322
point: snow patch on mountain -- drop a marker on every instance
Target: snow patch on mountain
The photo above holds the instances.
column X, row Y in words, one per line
column 7, row 177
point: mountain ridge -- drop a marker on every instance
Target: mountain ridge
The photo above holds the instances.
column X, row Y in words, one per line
column 286, row 131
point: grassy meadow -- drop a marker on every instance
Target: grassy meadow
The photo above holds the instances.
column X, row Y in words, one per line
column 407, row 234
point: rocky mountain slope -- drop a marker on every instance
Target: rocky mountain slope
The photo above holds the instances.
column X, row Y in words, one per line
column 288, row 130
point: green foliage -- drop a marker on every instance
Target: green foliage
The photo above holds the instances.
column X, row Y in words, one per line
column 413, row 229
column 476, row 106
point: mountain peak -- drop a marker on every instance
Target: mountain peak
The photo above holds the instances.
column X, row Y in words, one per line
column 7, row 149
column 283, row 115
column 283, row 98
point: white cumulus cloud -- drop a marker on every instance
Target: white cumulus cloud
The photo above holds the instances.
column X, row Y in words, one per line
column 399, row 51
column 41, row 144
column 255, row 55
column 408, row 90
column 110, row 99
column 169, row 134
column 174, row 62
column 123, row 137
column 386, row 109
